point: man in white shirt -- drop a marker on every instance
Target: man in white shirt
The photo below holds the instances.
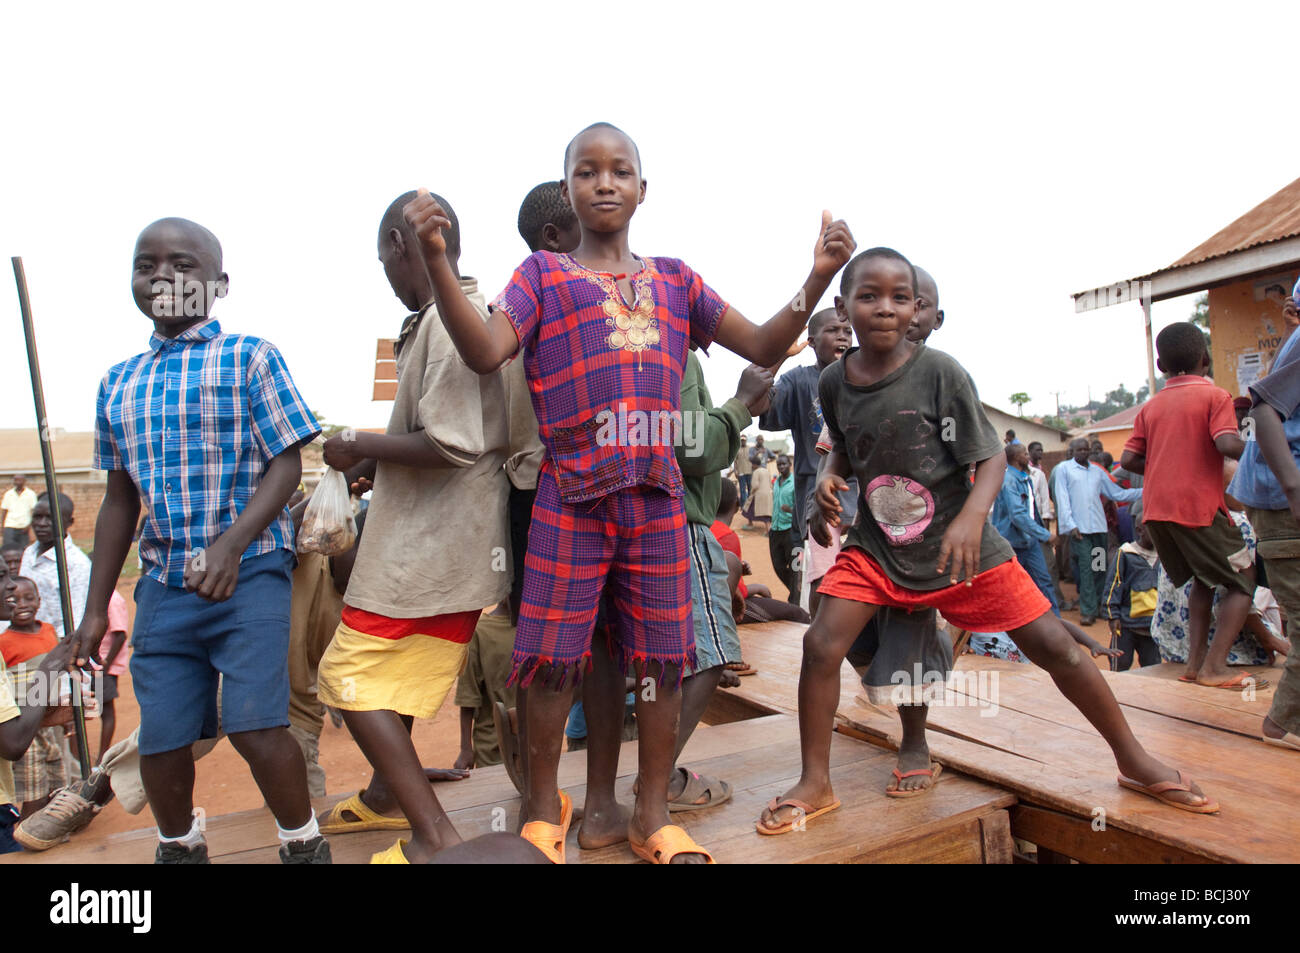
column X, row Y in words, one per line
column 40, row 565
column 16, row 511
column 1046, row 515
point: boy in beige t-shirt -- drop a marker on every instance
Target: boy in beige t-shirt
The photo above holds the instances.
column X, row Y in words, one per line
column 434, row 553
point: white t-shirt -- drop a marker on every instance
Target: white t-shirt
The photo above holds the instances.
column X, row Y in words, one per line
column 18, row 507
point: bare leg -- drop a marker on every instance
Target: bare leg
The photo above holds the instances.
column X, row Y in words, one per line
column 1048, row 645
column 545, row 708
column 604, row 820
column 280, row 772
column 107, row 726
column 168, row 780
column 386, row 742
column 825, row 644
column 377, row 795
column 1200, row 606
column 913, row 752
column 658, row 708
column 1233, row 609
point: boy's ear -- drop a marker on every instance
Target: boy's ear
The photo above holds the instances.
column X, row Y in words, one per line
column 938, row 319
column 641, row 195
column 398, row 241
column 222, row 287
column 1160, row 366
column 564, row 191
column 841, row 310
column 550, row 237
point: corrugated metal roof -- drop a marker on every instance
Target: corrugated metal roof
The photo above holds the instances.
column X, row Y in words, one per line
column 1273, row 219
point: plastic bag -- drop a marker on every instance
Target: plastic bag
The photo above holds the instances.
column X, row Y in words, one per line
column 328, row 526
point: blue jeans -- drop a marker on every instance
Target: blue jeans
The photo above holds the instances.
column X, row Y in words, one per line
column 1031, row 558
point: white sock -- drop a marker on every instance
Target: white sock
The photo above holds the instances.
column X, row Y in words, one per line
column 191, row 840
column 305, row 833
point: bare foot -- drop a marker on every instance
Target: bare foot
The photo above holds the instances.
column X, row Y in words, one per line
column 818, row 795
column 912, row 758
column 729, row 680
column 603, row 825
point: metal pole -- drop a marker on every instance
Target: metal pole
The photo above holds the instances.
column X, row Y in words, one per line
column 1151, row 353
column 56, row 511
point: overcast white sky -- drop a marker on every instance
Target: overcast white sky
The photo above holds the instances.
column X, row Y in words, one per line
column 1018, row 152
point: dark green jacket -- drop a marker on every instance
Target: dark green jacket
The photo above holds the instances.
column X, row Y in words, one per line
column 714, row 441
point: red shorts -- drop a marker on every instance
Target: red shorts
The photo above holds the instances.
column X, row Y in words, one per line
column 998, row 600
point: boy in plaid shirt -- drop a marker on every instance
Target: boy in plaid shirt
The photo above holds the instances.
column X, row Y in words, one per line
column 205, row 428
column 605, row 336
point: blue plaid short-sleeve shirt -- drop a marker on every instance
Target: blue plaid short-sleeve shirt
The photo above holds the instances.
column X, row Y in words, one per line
column 196, row 420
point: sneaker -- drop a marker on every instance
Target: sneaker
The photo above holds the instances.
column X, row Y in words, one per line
column 314, row 851
column 68, row 811
column 180, row 854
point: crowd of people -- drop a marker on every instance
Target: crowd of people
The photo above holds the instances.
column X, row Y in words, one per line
column 566, row 583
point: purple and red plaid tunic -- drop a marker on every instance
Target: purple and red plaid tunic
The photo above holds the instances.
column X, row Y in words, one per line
column 196, row 420
column 592, row 360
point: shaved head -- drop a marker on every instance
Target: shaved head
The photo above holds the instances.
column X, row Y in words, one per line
column 820, row 318
column 568, row 150
column 393, row 219
column 202, row 238
column 926, row 286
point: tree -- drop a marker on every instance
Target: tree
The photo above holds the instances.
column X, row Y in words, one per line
column 1020, row 398
column 327, row 429
column 1078, row 421
column 1056, row 423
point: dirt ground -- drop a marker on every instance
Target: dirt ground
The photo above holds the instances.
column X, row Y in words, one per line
column 223, row 784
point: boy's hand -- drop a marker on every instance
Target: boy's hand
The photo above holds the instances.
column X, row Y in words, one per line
column 77, row 651
column 342, row 454
column 1096, row 648
column 213, row 572
column 361, row 487
column 834, row 248
column 1076, row 533
column 464, row 760
column 828, row 503
column 427, row 219
column 754, row 388
column 817, row 527
column 961, row 548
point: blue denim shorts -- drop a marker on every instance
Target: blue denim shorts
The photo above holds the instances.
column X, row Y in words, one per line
column 182, row 642
column 716, row 639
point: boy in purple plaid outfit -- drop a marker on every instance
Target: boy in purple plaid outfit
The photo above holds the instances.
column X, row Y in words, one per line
column 205, row 428
column 605, row 336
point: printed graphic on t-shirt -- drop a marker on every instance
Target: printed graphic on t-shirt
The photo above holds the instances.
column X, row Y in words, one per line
column 903, row 508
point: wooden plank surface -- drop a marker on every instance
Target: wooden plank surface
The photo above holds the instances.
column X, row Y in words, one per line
column 1007, row 723
column 1035, row 743
column 759, row 757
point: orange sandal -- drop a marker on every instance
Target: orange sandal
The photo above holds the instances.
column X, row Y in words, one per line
column 549, row 838
column 1161, row 788
column 665, row 844
column 809, row 812
column 932, row 772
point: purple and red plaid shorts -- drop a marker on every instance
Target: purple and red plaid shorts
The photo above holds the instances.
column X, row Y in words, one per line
column 637, row 538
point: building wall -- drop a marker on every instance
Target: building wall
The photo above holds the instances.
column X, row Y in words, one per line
column 1112, row 441
column 1243, row 328
column 1026, row 430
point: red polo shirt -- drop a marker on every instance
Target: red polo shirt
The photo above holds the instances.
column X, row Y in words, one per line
column 1175, row 431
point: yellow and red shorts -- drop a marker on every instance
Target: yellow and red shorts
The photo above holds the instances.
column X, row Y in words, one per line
column 377, row 663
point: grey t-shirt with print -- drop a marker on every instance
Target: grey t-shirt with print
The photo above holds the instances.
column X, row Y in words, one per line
column 910, row 439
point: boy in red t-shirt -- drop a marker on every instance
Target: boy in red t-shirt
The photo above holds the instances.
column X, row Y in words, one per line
column 26, row 638
column 1180, row 438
